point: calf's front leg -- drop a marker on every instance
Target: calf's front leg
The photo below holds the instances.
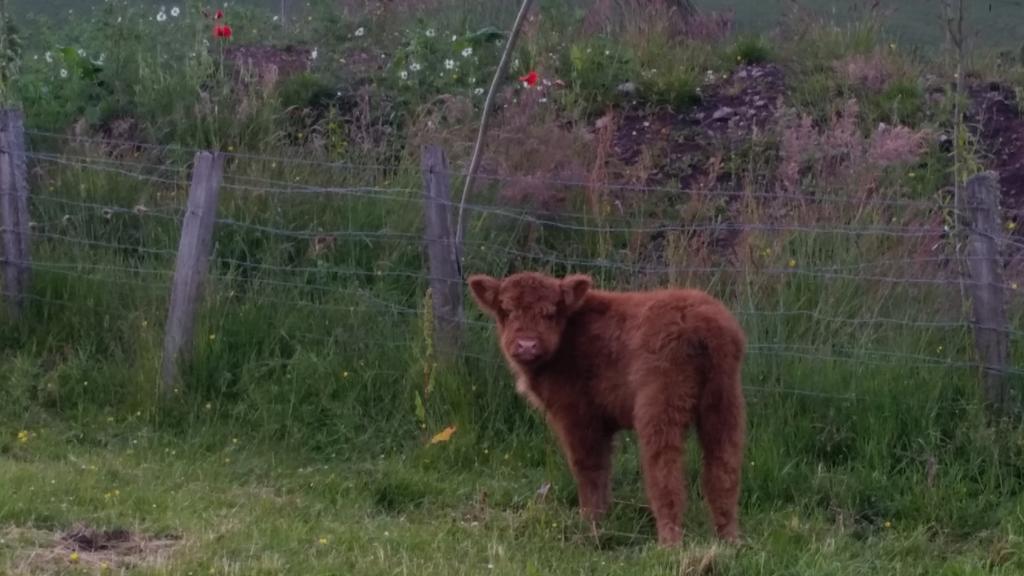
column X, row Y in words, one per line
column 588, row 444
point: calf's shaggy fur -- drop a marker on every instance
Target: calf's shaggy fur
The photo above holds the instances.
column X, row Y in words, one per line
column 596, row 362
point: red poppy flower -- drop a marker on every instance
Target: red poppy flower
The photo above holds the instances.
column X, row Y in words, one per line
column 222, row 31
column 530, row 79
column 218, row 15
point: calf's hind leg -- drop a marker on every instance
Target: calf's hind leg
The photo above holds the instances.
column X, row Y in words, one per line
column 661, row 422
column 721, row 429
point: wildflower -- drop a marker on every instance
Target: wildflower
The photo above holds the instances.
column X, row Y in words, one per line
column 455, row 38
column 48, row 57
column 175, row 11
column 449, row 64
column 791, row 263
column 1011, row 225
column 1013, row 285
column 63, row 72
column 344, row 374
column 222, row 31
column 322, row 541
column 888, row 524
column 478, row 91
column 360, row 32
column 415, row 67
column 404, row 75
column 161, row 16
column 209, row 406
column 431, row 32
column 73, row 558
column 467, row 52
column 219, row 15
column 314, row 53
column 530, row 79
column 23, row 436
column 81, row 52
column 213, row 337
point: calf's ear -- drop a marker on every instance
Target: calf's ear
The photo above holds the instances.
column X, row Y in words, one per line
column 574, row 289
column 485, row 292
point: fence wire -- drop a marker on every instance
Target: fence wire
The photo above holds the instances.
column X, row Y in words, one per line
column 378, row 269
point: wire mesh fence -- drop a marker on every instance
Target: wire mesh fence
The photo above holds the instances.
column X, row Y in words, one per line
column 834, row 291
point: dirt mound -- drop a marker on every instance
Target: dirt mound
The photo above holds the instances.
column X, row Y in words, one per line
column 89, row 548
column 286, row 61
column 679, row 145
column 997, row 113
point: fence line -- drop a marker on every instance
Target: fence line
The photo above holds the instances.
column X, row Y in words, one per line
column 68, row 267
column 311, row 294
column 508, row 178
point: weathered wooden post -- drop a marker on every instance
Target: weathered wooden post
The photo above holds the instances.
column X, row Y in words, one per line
column 192, row 264
column 14, row 219
column 985, row 264
column 442, row 252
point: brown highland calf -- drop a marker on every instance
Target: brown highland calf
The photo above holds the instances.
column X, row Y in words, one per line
column 597, row 362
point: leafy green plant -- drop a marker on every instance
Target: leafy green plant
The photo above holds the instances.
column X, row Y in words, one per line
column 750, row 50
column 599, row 72
column 433, row 62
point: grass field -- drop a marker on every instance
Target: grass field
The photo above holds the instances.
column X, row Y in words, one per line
column 238, row 507
column 299, row 440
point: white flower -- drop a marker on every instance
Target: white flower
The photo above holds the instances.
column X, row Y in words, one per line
column 415, row 67
column 361, row 31
column 449, row 64
column 99, row 61
column 275, row 18
column 478, row 91
column 467, row 52
column 175, row 11
column 49, row 57
column 314, row 53
column 81, row 52
column 161, row 15
column 63, row 72
column 404, row 75
column 455, row 38
column 431, row 33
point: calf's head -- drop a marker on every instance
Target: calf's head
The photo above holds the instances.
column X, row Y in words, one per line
column 531, row 310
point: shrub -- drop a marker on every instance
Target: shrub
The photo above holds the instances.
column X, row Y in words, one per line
column 750, row 50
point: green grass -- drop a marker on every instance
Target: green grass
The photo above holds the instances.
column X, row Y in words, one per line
column 819, row 499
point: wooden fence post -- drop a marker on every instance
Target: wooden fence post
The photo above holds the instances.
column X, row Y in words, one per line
column 442, row 252
column 14, row 219
column 192, row 264
column 987, row 292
